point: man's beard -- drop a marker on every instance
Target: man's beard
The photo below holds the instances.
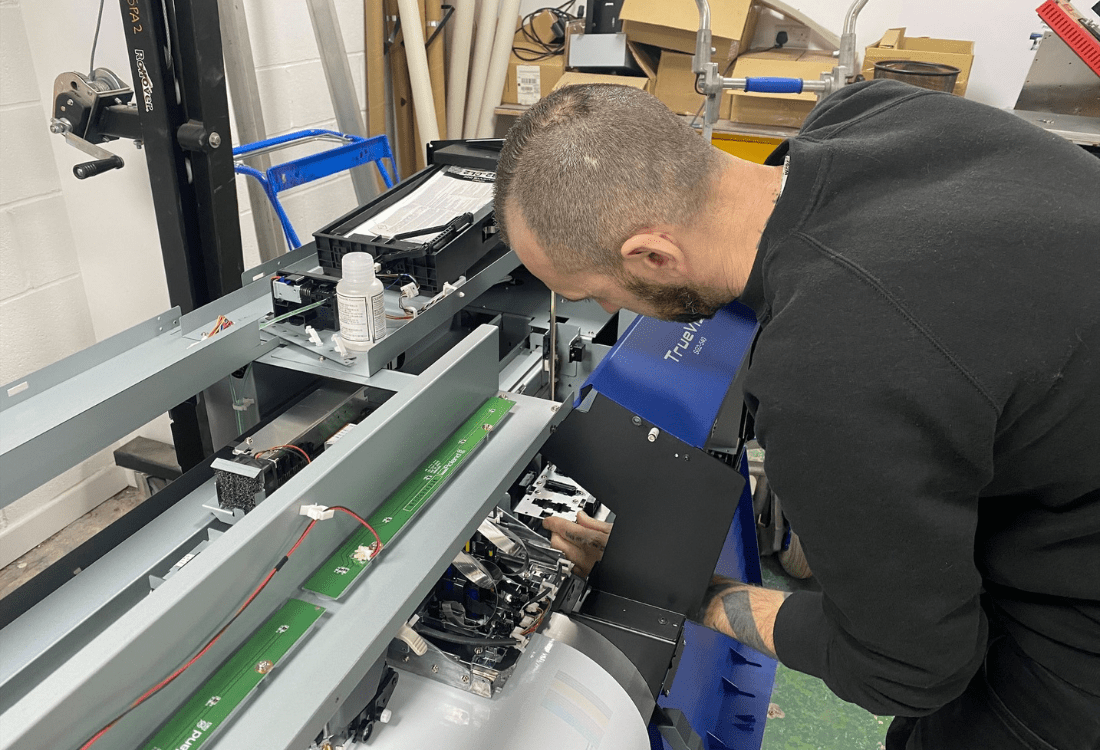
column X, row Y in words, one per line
column 677, row 304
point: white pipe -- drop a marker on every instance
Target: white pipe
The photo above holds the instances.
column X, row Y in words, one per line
column 483, row 46
column 423, row 99
column 458, row 67
column 498, row 66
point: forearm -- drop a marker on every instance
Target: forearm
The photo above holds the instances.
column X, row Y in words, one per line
column 746, row 613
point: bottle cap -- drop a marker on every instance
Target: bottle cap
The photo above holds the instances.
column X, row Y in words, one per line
column 357, row 267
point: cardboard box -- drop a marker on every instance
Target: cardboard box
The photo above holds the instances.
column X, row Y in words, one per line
column 675, row 86
column 785, row 110
column 894, row 45
column 527, row 82
column 672, row 25
column 572, row 78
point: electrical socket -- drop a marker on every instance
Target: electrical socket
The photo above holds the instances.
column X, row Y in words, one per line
column 797, row 35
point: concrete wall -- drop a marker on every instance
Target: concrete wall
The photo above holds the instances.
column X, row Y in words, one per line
column 81, row 259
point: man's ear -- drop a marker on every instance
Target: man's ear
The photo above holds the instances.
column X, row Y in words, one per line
column 654, row 256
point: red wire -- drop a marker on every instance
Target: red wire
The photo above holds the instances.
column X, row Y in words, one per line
column 209, row 644
column 357, row 517
column 291, row 447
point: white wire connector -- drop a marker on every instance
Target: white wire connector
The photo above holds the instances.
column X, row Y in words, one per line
column 410, row 290
column 412, row 639
column 338, row 345
column 316, row 512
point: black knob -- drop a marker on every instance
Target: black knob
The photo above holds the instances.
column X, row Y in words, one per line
column 99, row 166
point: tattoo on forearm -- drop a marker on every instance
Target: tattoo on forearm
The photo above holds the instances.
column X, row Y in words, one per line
column 738, row 610
column 728, row 608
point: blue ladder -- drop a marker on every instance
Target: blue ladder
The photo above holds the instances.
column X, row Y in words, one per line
column 354, row 151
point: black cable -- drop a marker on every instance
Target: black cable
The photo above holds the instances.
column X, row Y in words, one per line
column 95, row 40
column 464, row 640
column 543, row 49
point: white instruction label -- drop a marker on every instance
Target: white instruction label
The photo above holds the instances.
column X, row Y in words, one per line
column 354, row 325
column 528, row 83
column 378, row 305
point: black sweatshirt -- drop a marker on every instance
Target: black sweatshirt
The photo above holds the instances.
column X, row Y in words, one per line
column 927, row 386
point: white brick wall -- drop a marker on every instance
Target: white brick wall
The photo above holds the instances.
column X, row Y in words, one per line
column 44, row 312
column 80, row 260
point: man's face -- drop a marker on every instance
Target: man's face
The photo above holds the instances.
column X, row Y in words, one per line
column 677, row 303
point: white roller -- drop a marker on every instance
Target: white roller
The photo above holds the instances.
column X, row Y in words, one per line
column 498, row 66
column 423, row 99
column 458, row 67
column 479, row 68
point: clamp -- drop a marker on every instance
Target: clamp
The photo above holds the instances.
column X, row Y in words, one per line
column 710, row 83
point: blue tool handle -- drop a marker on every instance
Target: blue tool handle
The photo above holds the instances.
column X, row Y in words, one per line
column 769, row 85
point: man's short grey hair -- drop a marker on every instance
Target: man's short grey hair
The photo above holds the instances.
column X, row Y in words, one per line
column 589, row 166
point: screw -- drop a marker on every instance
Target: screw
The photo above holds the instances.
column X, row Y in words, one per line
column 69, row 102
column 138, row 144
column 435, row 668
column 662, row 621
column 215, row 140
column 555, row 408
column 636, row 420
column 264, row 666
column 653, row 435
column 405, row 658
column 465, row 679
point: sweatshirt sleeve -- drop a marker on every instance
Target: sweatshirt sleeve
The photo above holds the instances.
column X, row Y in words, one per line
column 878, row 443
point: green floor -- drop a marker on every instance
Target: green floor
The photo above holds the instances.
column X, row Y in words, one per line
column 805, row 714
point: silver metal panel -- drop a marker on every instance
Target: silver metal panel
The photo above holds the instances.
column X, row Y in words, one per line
column 360, row 471
column 1084, row 131
column 298, row 419
column 341, row 87
column 1059, row 82
column 56, row 428
column 42, row 380
column 240, row 74
column 386, row 350
column 299, row 360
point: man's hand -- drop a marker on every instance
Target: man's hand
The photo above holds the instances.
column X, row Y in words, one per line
column 747, row 613
column 582, row 542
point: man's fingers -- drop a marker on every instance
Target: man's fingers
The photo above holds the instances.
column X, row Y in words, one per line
column 588, row 522
column 555, row 524
column 582, row 564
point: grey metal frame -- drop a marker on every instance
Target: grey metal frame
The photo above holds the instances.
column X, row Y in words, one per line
column 163, row 629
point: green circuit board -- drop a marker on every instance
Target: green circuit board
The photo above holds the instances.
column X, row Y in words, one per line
column 214, row 702
column 342, row 569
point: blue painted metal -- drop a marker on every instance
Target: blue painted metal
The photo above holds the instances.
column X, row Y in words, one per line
column 676, row 377
column 355, row 151
column 773, row 85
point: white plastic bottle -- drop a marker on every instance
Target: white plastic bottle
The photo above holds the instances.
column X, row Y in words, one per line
column 361, row 302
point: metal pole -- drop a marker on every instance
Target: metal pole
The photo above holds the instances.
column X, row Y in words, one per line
column 240, row 74
column 553, row 344
column 341, row 87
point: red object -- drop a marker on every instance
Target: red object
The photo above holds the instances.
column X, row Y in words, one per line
column 1065, row 22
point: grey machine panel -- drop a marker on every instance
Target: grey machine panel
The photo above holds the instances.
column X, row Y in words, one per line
column 164, row 629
